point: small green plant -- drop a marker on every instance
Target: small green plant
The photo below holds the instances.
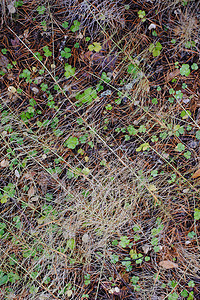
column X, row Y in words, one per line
column 133, row 69
column 66, row 52
column 4, row 50
column 124, row 241
column 185, row 70
column 18, row 3
column 141, row 15
column 143, row 147
column 114, row 258
column 65, row 24
column 87, row 96
column 197, row 214
column 108, row 107
column 71, row 142
column 180, row 147
column 26, row 74
column 87, row 279
column 9, row 192
column 47, row 52
column 41, row 10
column 38, row 55
column 194, row 66
column 75, row 26
column 155, row 49
column 69, row 71
column 95, row 47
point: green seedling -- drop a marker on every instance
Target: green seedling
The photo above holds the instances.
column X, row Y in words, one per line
column 71, row 142
column 95, row 47
column 18, row 3
column 197, row 135
column 143, row 147
column 194, row 66
column 65, row 24
column 69, row 71
column 155, row 49
column 41, row 10
column 38, row 55
column 75, row 26
column 185, row 70
column 87, row 96
column 180, row 147
column 141, row 15
column 197, row 214
column 47, row 52
column 66, row 52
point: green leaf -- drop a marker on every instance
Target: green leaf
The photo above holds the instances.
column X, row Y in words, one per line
column 180, row 147
column 75, row 27
column 69, row 71
column 132, row 130
column 95, row 47
column 3, row 279
column 194, row 66
column 65, row 24
column 185, row 69
column 71, row 142
column 197, row 214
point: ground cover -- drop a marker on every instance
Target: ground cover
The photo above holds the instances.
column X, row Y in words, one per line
column 99, row 163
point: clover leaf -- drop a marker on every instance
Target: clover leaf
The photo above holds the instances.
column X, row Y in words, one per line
column 95, row 47
column 71, row 142
column 185, row 70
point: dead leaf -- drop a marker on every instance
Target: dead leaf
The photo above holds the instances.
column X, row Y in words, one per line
column 12, row 89
column 4, row 163
column 152, row 26
column 11, row 8
column 3, row 61
column 29, row 175
column 26, row 32
column 173, row 74
column 167, row 264
column 17, row 173
column 31, row 191
column 196, row 174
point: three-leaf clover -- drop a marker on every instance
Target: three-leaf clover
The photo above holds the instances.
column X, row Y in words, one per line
column 75, row 27
column 66, row 52
column 194, row 66
column 69, row 71
column 155, row 49
column 185, row 70
column 41, row 10
column 95, row 47
column 71, row 142
column 65, row 24
column 47, row 52
column 180, row 147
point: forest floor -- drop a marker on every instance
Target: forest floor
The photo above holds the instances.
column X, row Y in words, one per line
column 99, row 153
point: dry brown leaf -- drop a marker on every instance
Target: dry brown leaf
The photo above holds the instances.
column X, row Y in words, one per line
column 12, row 89
column 173, row 74
column 4, row 163
column 167, row 264
column 31, row 191
column 3, row 61
column 196, row 174
column 29, row 175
